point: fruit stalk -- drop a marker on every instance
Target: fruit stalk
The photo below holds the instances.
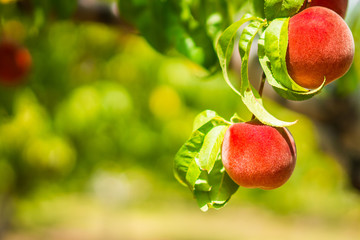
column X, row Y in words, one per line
column 261, row 88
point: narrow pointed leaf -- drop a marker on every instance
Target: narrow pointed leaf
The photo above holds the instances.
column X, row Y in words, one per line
column 225, row 45
column 186, row 170
column 192, row 175
column 282, row 90
column 249, row 95
column 211, row 147
column 203, row 118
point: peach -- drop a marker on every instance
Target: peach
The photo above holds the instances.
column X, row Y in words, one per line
column 338, row 6
column 258, row 156
column 320, row 45
column 15, row 63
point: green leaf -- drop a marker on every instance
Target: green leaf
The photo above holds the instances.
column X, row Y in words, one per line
column 61, row 9
column 202, row 199
column 272, row 49
column 186, row 170
column 192, row 174
column 211, row 148
column 249, row 95
column 185, row 167
column 276, row 42
column 258, row 6
column 212, row 187
column 225, row 44
column 202, row 183
column 224, row 48
column 281, row 8
column 236, row 119
column 203, row 118
column 223, row 187
column 191, row 27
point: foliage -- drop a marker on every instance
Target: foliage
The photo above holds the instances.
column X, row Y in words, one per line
column 191, row 27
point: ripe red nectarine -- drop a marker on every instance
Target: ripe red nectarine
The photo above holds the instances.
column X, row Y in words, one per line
column 320, row 45
column 258, row 156
column 338, row 6
column 15, row 62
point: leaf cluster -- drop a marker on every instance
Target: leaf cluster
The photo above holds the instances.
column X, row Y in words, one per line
column 272, row 49
column 189, row 26
column 198, row 163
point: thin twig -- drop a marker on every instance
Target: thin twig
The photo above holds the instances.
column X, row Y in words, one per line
column 261, row 88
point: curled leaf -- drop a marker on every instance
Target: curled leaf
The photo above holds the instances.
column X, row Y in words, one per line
column 272, row 49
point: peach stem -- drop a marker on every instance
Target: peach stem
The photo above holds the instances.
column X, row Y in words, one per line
column 261, row 88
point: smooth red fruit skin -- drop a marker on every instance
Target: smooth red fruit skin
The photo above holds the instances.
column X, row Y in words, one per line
column 320, row 44
column 15, row 63
column 258, row 156
column 338, row 6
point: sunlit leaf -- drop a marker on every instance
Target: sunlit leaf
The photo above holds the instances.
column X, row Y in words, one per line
column 198, row 163
column 248, row 94
column 203, row 118
column 211, row 147
column 186, row 169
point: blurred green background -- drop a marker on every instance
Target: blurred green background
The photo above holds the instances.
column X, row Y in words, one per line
column 87, row 142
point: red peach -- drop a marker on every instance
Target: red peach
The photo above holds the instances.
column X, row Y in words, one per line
column 320, row 45
column 338, row 6
column 258, row 156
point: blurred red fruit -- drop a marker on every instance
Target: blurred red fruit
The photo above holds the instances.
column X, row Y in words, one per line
column 15, row 63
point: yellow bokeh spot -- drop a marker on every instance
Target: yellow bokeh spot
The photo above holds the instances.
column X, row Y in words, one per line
column 7, row 1
column 50, row 153
column 165, row 103
column 14, row 30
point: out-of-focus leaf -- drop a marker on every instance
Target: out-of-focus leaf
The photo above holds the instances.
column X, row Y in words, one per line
column 63, row 9
column 191, row 27
column 259, row 8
